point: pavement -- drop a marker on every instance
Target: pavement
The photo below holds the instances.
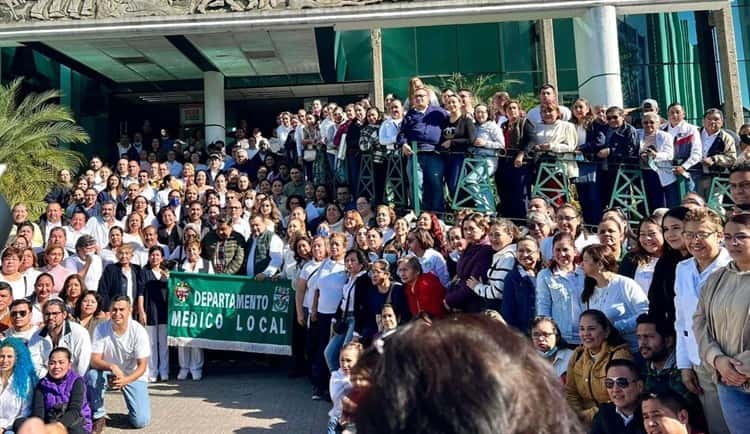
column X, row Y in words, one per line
column 233, row 397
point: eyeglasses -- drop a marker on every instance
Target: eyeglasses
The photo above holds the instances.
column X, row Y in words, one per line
column 736, row 238
column 741, row 186
column 18, row 313
column 52, row 313
column 537, row 335
column 621, row 382
column 697, row 235
column 610, row 118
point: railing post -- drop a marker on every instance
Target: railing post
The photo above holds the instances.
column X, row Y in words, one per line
column 416, row 200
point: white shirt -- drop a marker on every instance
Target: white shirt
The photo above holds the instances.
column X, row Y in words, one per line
column 71, row 237
column 91, row 280
column 307, row 270
column 621, row 301
column 74, row 337
column 20, row 288
column 684, row 129
column 242, row 227
column 129, row 290
column 276, row 253
column 124, row 350
column 100, row 229
column 687, row 288
column 433, row 262
column 388, row 132
column 581, row 242
column 707, row 142
column 329, row 280
column 644, row 274
column 13, row 406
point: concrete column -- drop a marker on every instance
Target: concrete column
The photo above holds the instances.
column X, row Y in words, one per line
column 377, row 68
column 213, row 106
column 546, row 32
column 730, row 75
column 598, row 56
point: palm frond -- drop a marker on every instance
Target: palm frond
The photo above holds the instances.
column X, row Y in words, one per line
column 29, row 130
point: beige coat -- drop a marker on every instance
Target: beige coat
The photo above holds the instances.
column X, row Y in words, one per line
column 722, row 320
column 585, row 389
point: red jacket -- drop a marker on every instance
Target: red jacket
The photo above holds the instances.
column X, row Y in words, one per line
column 427, row 295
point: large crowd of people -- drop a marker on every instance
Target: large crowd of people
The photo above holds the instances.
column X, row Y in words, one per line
column 643, row 328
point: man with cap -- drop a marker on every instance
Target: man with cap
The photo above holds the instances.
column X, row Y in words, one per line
column 649, row 105
column 215, row 166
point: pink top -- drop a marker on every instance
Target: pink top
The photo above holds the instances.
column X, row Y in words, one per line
column 59, row 273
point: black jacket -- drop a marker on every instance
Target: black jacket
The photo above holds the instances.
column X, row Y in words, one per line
column 607, row 421
column 661, row 293
column 111, row 285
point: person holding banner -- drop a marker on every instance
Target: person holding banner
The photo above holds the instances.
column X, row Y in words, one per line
column 191, row 358
column 264, row 251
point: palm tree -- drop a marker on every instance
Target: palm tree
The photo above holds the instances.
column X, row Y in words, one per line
column 30, row 129
column 484, row 86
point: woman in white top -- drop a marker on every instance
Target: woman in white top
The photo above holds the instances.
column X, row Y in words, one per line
column 17, row 381
column 503, row 235
column 11, row 274
column 657, row 152
column 568, row 218
column 191, row 358
column 309, row 266
column 619, row 297
column 559, row 288
column 28, row 269
column 640, row 262
column 326, row 287
column 385, row 218
column 133, row 227
column 421, row 245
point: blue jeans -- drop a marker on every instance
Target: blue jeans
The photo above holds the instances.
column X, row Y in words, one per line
column 453, row 163
column 735, row 404
column 337, row 341
column 319, row 334
column 429, row 182
column 333, row 425
column 485, row 201
column 135, row 394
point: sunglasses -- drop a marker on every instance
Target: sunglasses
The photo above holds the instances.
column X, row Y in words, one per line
column 621, row 382
column 19, row 313
column 612, row 117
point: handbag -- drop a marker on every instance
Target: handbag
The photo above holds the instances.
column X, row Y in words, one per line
column 309, row 154
column 340, row 326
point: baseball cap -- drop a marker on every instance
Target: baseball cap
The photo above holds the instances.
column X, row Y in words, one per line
column 649, row 104
column 214, row 156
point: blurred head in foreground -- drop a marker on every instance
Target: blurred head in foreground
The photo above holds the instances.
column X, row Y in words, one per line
column 462, row 374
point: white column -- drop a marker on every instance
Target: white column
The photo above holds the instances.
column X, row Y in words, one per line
column 213, row 106
column 598, row 56
column 377, row 68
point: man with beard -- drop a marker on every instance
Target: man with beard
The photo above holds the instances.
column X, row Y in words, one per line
column 656, row 344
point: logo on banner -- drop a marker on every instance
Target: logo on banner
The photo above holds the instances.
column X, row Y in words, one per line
column 280, row 299
column 182, row 292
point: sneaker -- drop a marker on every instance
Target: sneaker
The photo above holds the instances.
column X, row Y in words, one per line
column 98, row 425
column 197, row 375
column 152, row 379
column 316, row 396
column 183, row 374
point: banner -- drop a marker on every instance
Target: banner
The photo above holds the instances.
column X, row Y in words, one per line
column 237, row 313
